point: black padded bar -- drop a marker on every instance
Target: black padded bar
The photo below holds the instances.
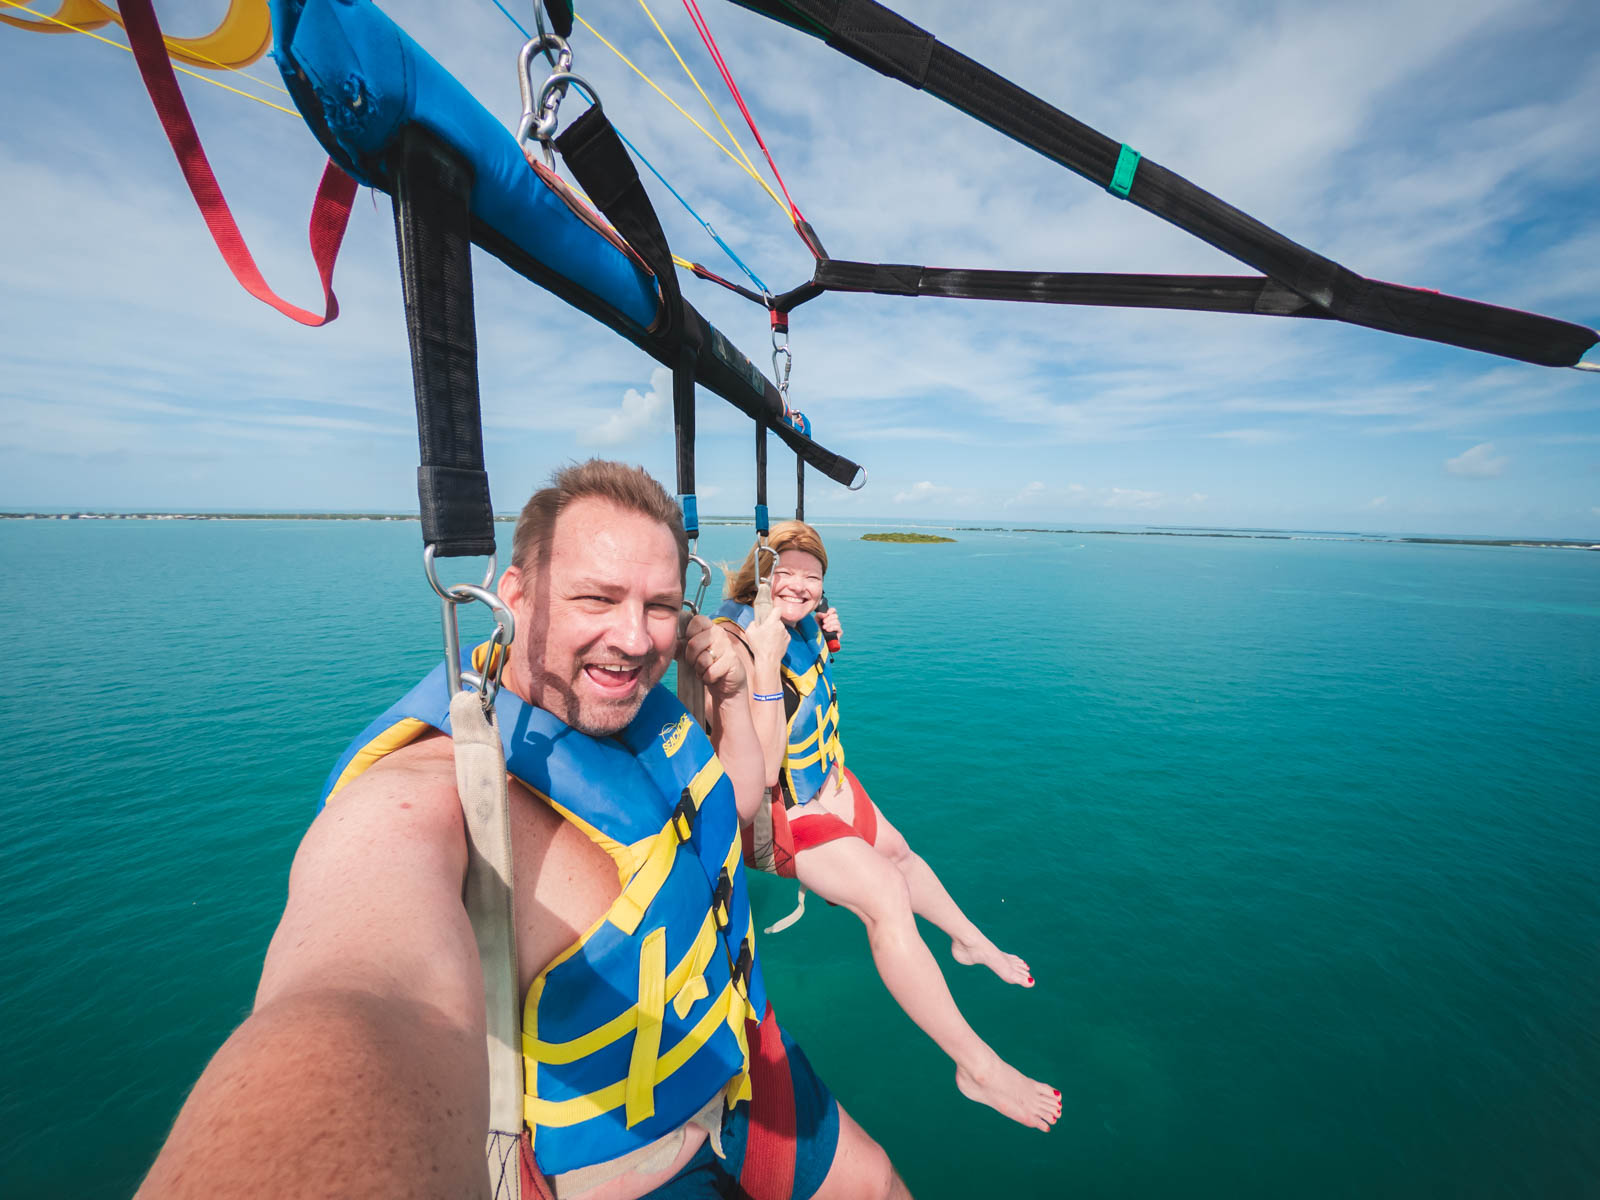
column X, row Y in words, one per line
column 433, row 233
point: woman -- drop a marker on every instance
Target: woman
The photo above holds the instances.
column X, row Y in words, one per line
column 827, row 832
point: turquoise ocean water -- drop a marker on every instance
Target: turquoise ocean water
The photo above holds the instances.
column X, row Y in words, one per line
column 1301, row 838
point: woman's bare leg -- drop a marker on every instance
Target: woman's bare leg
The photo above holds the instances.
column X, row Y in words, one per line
column 929, row 899
column 850, row 873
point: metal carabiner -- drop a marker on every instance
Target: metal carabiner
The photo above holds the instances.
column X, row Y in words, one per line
column 780, row 374
column 693, row 606
column 559, row 54
column 763, row 548
column 487, row 680
column 505, row 628
column 433, row 573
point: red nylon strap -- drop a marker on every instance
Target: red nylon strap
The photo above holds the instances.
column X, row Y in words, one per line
column 704, row 30
column 768, row 1171
column 330, row 212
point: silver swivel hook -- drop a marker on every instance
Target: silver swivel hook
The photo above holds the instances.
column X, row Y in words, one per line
column 486, row 679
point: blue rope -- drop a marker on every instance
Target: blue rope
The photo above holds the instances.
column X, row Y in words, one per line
column 525, row 34
column 704, row 224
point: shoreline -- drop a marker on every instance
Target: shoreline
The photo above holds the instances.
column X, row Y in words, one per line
column 1243, row 534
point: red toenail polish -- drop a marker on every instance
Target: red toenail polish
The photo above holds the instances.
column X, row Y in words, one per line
column 1057, row 1091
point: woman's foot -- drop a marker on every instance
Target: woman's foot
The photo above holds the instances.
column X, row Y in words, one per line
column 980, row 950
column 1011, row 1094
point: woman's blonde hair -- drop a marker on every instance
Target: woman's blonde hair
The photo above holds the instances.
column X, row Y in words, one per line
column 785, row 535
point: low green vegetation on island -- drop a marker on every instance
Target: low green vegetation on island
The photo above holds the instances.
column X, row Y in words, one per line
column 904, row 537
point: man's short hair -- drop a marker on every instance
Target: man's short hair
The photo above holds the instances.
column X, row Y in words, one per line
column 785, row 535
column 629, row 488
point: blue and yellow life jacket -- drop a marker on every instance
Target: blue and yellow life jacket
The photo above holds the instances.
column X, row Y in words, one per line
column 632, row 1029
column 810, row 706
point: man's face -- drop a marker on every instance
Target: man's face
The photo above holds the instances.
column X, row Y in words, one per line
column 597, row 616
column 796, row 585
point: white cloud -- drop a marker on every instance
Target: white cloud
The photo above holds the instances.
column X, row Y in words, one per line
column 640, row 413
column 1477, row 463
column 1378, row 502
column 919, row 492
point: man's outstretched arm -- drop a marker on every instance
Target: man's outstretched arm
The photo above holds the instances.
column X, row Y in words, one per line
column 362, row 1069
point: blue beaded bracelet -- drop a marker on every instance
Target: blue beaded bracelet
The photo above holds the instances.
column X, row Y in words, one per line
column 767, row 695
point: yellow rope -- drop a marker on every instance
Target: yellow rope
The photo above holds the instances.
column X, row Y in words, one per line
column 194, row 74
column 784, row 208
column 731, row 136
column 682, row 262
column 171, row 44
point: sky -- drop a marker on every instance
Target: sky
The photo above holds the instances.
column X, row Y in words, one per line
column 1447, row 144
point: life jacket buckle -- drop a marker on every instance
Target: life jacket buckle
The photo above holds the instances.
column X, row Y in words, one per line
column 682, row 821
column 741, row 970
column 721, row 898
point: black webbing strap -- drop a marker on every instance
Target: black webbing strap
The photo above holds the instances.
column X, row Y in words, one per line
column 1387, row 306
column 433, row 230
column 763, row 522
column 604, row 169
column 883, row 40
column 683, row 436
column 799, row 489
column 560, row 13
column 712, row 277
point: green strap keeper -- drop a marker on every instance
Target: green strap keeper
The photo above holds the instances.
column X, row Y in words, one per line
column 1122, row 177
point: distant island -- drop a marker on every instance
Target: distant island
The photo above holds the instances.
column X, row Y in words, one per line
column 913, row 538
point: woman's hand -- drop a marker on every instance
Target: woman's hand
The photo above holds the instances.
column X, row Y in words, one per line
column 768, row 639
column 828, row 618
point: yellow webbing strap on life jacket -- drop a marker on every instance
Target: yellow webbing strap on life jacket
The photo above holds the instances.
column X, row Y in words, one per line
column 641, row 1093
column 628, row 910
column 556, row 1114
column 682, row 978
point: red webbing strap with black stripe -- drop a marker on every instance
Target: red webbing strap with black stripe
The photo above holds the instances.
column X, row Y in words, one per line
column 330, row 212
column 768, row 1171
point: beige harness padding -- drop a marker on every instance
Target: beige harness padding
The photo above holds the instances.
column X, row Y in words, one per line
column 761, row 827
column 799, row 911
column 481, row 784
column 691, row 688
column 765, row 853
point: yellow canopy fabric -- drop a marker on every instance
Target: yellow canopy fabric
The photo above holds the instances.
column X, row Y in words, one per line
column 243, row 35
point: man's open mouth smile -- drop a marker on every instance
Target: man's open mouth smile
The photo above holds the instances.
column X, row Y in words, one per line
column 613, row 680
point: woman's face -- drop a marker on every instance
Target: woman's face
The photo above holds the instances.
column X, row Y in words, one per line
column 796, row 585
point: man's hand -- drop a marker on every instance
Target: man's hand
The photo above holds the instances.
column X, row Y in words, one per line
column 768, row 639
column 711, row 653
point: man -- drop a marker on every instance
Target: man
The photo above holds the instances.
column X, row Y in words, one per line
column 362, row 1069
